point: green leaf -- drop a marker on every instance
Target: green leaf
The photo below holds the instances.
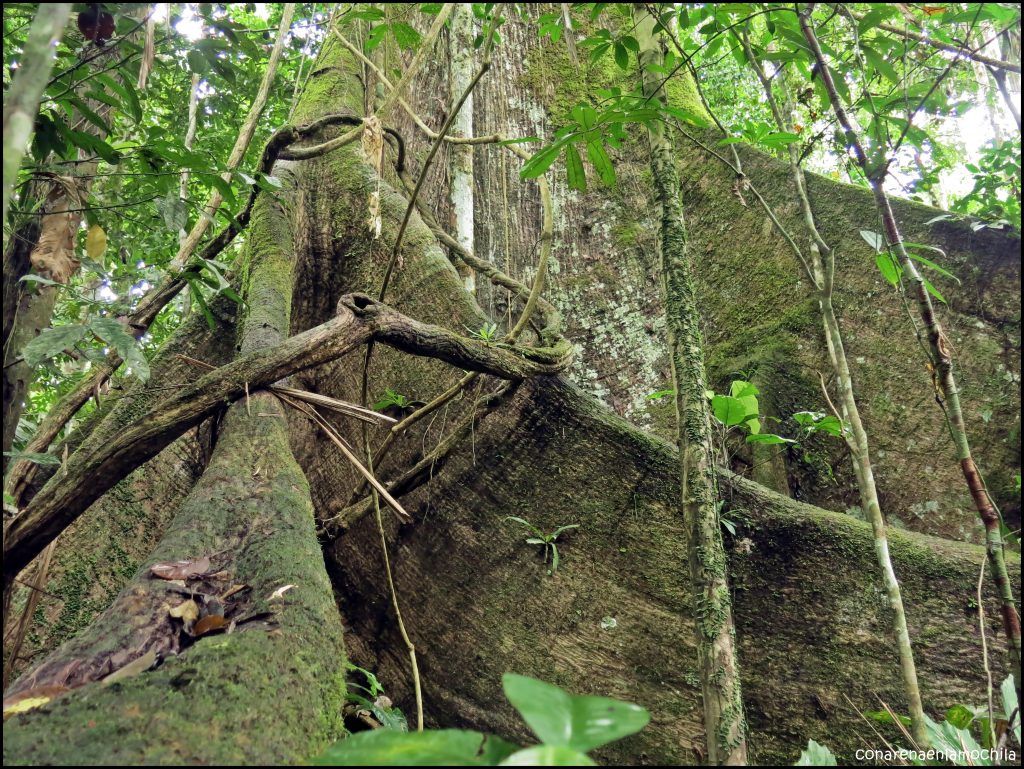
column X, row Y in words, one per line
column 113, row 333
column 126, row 91
column 929, row 263
column 621, row 56
column 442, row 747
column 541, row 161
column 406, row 36
column 739, row 388
column 51, row 342
column 599, row 159
column 561, row 719
column 196, row 295
column 960, row 716
column 525, row 523
column 197, row 62
column 93, row 145
column 768, row 438
column 888, row 267
column 730, row 411
column 33, row 456
column 932, row 290
column 873, row 239
column 779, row 139
column 1009, row 692
column 548, row 755
column 947, row 737
column 173, row 210
column 816, row 755
column 574, row 169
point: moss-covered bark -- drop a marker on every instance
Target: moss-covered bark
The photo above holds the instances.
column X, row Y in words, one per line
column 604, row 279
column 271, row 690
column 717, row 661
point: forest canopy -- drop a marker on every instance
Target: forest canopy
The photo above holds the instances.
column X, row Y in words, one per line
column 497, row 383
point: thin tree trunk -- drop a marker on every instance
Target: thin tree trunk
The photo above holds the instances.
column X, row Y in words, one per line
column 462, row 73
column 940, row 353
column 822, row 278
column 21, row 102
column 718, row 665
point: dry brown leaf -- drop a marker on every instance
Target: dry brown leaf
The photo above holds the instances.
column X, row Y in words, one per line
column 187, row 569
column 209, row 624
column 133, row 668
column 233, row 590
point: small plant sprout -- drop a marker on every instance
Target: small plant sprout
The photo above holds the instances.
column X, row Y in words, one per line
column 487, row 333
column 391, row 399
column 546, row 540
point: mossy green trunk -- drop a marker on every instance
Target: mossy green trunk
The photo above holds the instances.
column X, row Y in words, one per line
column 716, row 648
column 270, row 690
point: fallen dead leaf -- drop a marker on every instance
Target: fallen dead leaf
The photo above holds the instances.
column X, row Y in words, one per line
column 280, row 592
column 172, row 570
column 30, row 699
column 209, row 624
column 233, row 590
column 187, row 612
column 133, row 668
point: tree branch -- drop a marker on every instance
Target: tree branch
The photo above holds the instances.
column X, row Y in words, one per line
column 360, row 320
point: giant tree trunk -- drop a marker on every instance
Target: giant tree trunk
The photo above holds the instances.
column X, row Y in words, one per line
column 810, row 621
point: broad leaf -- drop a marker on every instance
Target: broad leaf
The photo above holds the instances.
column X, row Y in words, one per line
column 51, row 342
column 816, row 755
column 891, row 271
column 443, row 747
column 548, row 755
column 561, row 719
column 730, row 411
column 112, row 332
column 1009, row 692
column 574, row 169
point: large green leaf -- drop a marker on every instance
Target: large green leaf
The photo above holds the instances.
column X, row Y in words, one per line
column 52, row 341
column 816, row 755
column 574, row 169
column 442, row 747
column 731, row 411
column 560, row 719
column 113, row 333
column 1009, row 692
column 888, row 267
column 548, row 755
column 952, row 741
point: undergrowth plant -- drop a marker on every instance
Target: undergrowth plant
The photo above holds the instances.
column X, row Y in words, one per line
column 567, row 726
column 546, row 540
column 968, row 736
